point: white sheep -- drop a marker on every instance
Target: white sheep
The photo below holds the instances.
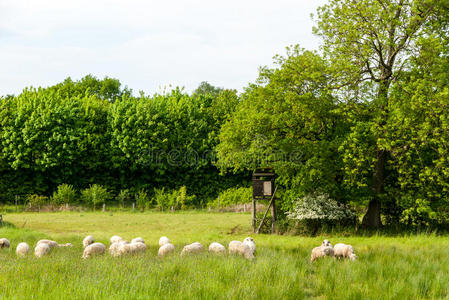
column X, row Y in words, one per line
column 344, row 251
column 88, row 240
column 115, row 239
column 217, row 248
column 94, row 249
column 22, row 249
column 53, row 244
column 41, row 250
column 132, row 248
column 114, row 249
column 321, row 251
column 163, row 240
column 166, row 249
column 192, row 249
column 4, row 243
column 237, row 247
column 251, row 244
column 137, row 240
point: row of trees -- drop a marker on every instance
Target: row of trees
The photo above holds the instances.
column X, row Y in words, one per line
column 93, row 132
column 365, row 120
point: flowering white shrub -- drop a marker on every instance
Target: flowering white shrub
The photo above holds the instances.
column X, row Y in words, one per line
column 319, row 207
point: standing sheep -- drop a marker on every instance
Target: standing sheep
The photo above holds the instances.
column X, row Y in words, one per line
column 88, row 240
column 41, row 250
column 192, row 249
column 217, row 248
column 22, row 249
column 321, row 251
column 251, row 244
column 4, row 243
column 166, row 249
column 132, row 248
column 115, row 239
column 163, row 240
column 344, row 251
column 237, row 247
column 114, row 249
column 94, row 249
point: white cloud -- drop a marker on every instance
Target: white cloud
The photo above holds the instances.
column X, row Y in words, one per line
column 147, row 44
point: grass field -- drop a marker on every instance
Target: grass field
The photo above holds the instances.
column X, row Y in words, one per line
column 409, row 267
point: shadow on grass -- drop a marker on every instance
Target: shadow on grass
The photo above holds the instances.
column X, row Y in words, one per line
column 5, row 224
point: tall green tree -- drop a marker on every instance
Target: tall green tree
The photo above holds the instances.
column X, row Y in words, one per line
column 288, row 120
column 370, row 43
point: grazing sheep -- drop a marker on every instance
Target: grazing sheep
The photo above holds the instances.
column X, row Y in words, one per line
column 251, row 243
column 94, row 249
column 114, row 249
column 321, row 251
column 88, row 240
column 217, row 248
column 344, row 251
column 326, row 243
column 4, row 243
column 163, row 240
column 192, row 249
column 22, row 249
column 137, row 240
column 41, row 250
column 132, row 248
column 237, row 247
column 53, row 244
column 166, row 249
column 115, row 239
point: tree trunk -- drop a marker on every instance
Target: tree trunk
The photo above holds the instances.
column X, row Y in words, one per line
column 372, row 217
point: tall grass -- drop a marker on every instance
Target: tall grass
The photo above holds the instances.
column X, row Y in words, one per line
column 408, row 267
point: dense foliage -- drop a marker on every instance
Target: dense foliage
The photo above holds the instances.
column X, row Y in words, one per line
column 91, row 132
column 364, row 120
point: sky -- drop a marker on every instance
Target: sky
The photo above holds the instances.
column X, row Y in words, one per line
column 148, row 45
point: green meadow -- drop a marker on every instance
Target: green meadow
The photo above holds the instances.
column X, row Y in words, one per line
column 400, row 267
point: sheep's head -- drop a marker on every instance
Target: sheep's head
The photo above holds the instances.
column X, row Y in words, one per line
column 249, row 239
column 352, row 257
column 327, row 250
column 326, row 243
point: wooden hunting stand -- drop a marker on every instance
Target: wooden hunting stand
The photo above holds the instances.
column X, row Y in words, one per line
column 264, row 189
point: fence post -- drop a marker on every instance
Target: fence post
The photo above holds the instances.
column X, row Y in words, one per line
column 134, row 205
column 16, row 202
column 104, row 207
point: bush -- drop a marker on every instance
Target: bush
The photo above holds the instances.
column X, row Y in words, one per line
column 235, row 195
column 123, row 197
column 142, row 199
column 175, row 199
column 95, row 194
column 317, row 210
column 37, row 200
column 65, row 194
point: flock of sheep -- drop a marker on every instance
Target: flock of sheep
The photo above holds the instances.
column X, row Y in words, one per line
column 120, row 247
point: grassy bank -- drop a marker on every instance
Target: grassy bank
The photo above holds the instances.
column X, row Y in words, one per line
column 414, row 267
